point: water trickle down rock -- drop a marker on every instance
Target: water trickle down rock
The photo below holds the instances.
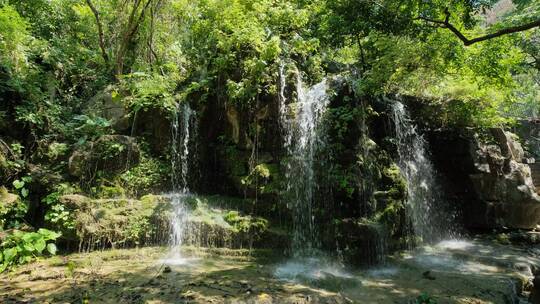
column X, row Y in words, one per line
column 431, row 220
column 300, row 122
column 180, row 162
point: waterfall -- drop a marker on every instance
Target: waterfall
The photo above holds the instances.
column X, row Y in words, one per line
column 300, row 123
column 430, row 218
column 180, row 139
column 180, row 162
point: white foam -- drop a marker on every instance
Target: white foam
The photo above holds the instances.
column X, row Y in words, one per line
column 455, row 244
column 310, row 268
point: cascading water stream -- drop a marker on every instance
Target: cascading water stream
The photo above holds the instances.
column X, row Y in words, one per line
column 431, row 219
column 300, row 122
column 180, row 162
column 180, row 147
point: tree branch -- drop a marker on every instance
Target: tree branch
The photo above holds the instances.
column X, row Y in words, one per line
column 509, row 30
column 131, row 30
column 100, row 31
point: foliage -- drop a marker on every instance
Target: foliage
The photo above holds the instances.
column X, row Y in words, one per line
column 57, row 150
column 147, row 176
column 58, row 216
column 424, row 298
column 21, row 186
column 84, row 128
column 12, row 210
column 236, row 46
column 342, row 122
column 148, row 91
column 57, row 55
column 22, row 247
column 14, row 40
column 264, row 177
column 247, row 224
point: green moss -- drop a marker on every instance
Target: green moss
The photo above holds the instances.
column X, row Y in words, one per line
column 127, row 222
column 241, row 223
column 114, row 191
column 146, row 177
column 206, row 214
column 265, row 178
column 119, row 222
column 503, row 238
column 397, row 186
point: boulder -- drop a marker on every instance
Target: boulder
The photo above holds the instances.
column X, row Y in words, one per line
column 154, row 125
column 529, row 131
column 490, row 180
column 10, row 204
column 363, row 242
column 75, row 201
column 107, row 105
column 43, row 178
column 504, row 185
column 111, row 153
column 534, row 296
column 7, row 199
column 510, row 147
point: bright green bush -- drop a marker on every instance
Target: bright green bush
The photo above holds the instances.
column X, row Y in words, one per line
column 22, row 247
column 58, row 216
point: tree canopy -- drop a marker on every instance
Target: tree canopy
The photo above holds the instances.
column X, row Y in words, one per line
column 56, row 54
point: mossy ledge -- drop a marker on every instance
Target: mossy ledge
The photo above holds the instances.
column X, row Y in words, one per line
column 123, row 223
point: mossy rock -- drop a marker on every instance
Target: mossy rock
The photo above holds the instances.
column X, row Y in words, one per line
column 103, row 223
column 363, row 240
column 110, row 153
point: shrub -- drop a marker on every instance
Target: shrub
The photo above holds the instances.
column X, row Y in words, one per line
column 22, row 247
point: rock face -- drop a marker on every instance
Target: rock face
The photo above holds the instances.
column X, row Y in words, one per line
column 363, row 242
column 111, row 153
column 107, row 106
column 494, row 179
column 529, row 131
column 505, row 183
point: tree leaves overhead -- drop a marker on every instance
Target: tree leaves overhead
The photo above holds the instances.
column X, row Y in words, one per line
column 64, row 51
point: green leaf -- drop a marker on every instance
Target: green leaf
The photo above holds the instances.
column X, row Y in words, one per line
column 9, row 254
column 48, row 234
column 51, row 248
column 24, row 192
column 40, row 245
column 31, row 237
column 18, row 184
column 29, row 247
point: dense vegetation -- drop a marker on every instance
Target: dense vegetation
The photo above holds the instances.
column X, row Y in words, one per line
column 60, row 58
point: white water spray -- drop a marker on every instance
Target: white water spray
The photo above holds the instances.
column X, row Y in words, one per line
column 180, row 162
column 431, row 219
column 300, row 122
